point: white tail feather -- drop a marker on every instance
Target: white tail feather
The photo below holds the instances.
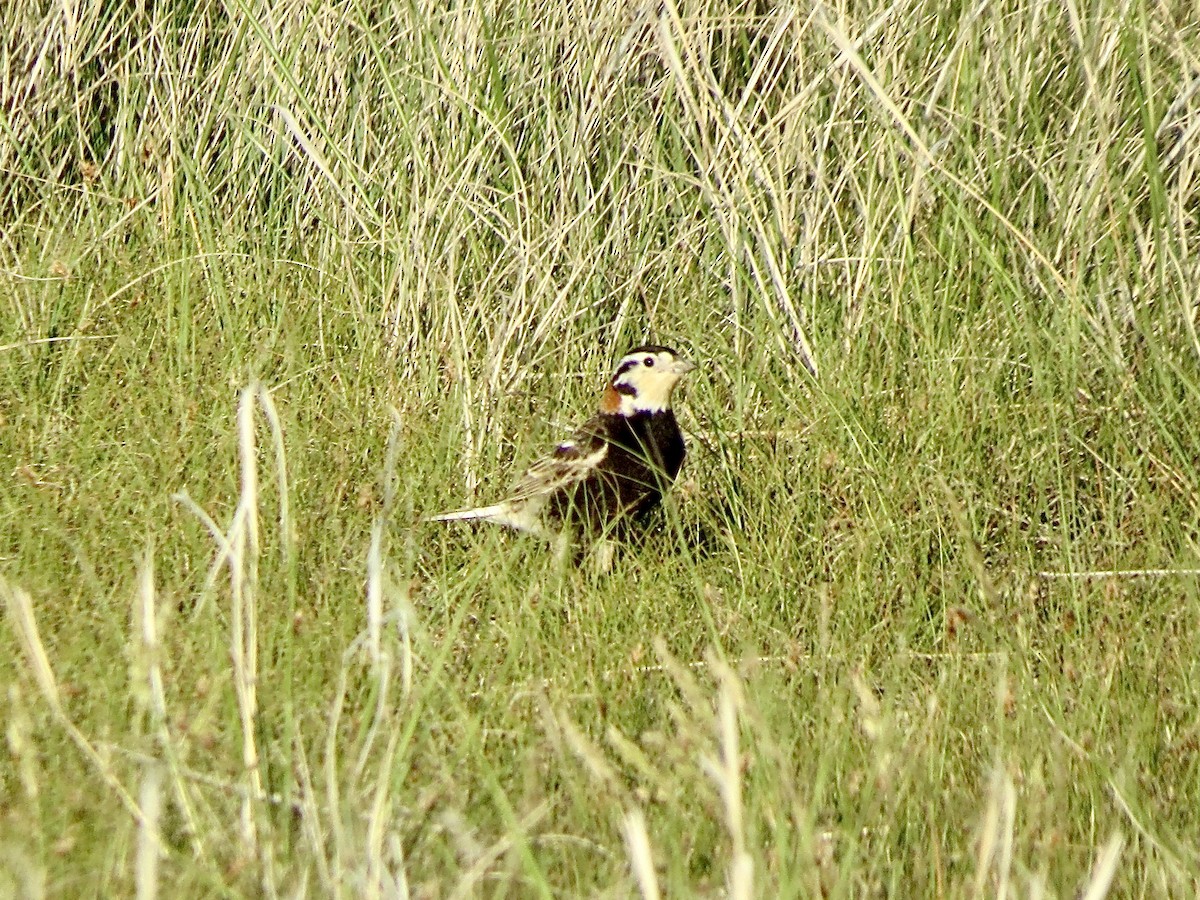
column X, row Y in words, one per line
column 523, row 517
column 496, row 511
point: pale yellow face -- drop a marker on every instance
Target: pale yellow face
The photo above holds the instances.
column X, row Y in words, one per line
column 645, row 380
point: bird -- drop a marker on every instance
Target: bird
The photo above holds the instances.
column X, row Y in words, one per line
column 611, row 470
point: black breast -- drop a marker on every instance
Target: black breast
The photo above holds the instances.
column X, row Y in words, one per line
column 645, row 454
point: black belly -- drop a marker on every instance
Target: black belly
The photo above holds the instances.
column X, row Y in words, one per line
column 645, row 454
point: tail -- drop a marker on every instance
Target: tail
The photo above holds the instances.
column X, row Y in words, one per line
column 521, row 518
column 496, row 512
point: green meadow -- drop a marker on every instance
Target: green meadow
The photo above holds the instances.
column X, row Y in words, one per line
column 281, row 278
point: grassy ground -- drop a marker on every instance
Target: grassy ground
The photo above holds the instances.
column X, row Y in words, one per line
column 279, row 279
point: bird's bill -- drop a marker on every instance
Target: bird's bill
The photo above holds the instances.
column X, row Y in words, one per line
column 682, row 366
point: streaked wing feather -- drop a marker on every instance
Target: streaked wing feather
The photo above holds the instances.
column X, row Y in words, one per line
column 571, row 462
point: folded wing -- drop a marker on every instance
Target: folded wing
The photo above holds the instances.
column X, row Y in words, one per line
column 571, row 462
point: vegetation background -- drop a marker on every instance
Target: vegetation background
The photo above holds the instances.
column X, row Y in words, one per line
column 278, row 278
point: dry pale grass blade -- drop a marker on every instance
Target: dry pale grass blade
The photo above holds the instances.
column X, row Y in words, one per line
column 381, row 717
column 381, row 883
column 220, row 559
column 146, row 614
column 148, row 650
column 238, row 550
column 1104, row 869
column 469, row 883
column 375, row 594
column 726, row 771
column 20, row 612
column 402, row 607
column 993, row 863
column 694, row 695
column 313, row 826
column 148, row 844
column 405, row 624
column 243, row 560
column 34, row 342
column 399, row 867
column 18, row 735
column 287, row 536
column 338, row 842
column 1122, row 573
column 243, row 617
column 630, row 754
column 312, row 152
column 1181, row 867
column 397, row 590
column 641, row 859
column 586, row 750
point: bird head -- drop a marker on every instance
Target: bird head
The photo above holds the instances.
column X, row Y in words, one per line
column 644, row 381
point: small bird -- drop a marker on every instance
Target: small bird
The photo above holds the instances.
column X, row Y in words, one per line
column 615, row 467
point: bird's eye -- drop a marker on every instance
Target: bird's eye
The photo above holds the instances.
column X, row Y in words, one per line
column 648, row 362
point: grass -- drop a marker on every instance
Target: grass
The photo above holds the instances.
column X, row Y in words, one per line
column 281, row 279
